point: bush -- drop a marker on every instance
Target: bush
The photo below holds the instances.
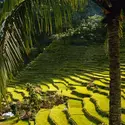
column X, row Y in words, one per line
column 90, row 29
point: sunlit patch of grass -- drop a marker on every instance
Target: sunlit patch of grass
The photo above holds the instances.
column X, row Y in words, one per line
column 75, row 111
column 71, row 81
column 83, row 77
column 103, row 90
column 89, row 106
column 104, row 80
column 102, row 101
column 9, row 89
column 58, row 115
column 89, row 74
column 99, row 75
column 74, row 103
column 61, row 86
column 123, row 117
column 123, row 72
column 23, row 90
column 107, row 78
column 122, row 102
column 81, row 120
column 9, row 98
column 67, row 93
column 52, row 88
column 97, row 82
column 83, row 90
column 58, row 80
column 123, row 92
column 31, row 122
column 44, row 88
column 14, row 94
column 105, row 73
column 21, row 123
column 42, row 116
column 78, row 79
column 78, row 116
column 122, row 76
column 122, row 66
column 94, row 74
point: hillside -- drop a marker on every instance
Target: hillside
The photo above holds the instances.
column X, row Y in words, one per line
column 78, row 72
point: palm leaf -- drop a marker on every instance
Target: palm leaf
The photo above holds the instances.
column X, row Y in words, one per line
column 19, row 28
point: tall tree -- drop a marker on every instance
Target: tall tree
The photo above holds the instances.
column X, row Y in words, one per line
column 114, row 66
column 112, row 9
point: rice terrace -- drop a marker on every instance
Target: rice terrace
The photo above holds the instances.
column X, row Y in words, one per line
column 56, row 65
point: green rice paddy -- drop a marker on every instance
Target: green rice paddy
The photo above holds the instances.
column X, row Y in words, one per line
column 68, row 70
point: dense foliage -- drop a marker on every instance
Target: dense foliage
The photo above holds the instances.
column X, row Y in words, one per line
column 88, row 31
column 20, row 21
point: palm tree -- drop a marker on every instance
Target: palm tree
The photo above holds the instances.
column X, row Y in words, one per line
column 114, row 64
column 113, row 20
column 114, row 30
column 114, row 36
column 20, row 21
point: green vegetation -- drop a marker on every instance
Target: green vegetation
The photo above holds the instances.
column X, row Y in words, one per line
column 21, row 123
column 69, row 75
column 89, row 106
column 68, row 83
column 58, row 115
column 15, row 95
column 102, row 101
column 42, row 116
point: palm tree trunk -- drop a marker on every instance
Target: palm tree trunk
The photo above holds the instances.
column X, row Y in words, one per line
column 115, row 85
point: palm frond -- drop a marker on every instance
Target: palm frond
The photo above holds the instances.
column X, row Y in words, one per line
column 22, row 19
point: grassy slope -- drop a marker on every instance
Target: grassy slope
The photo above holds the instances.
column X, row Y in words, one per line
column 58, row 115
column 89, row 106
column 66, row 67
column 41, row 117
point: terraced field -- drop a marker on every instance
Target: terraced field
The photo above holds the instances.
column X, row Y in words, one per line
column 75, row 72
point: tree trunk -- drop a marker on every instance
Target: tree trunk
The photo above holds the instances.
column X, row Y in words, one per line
column 115, row 85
